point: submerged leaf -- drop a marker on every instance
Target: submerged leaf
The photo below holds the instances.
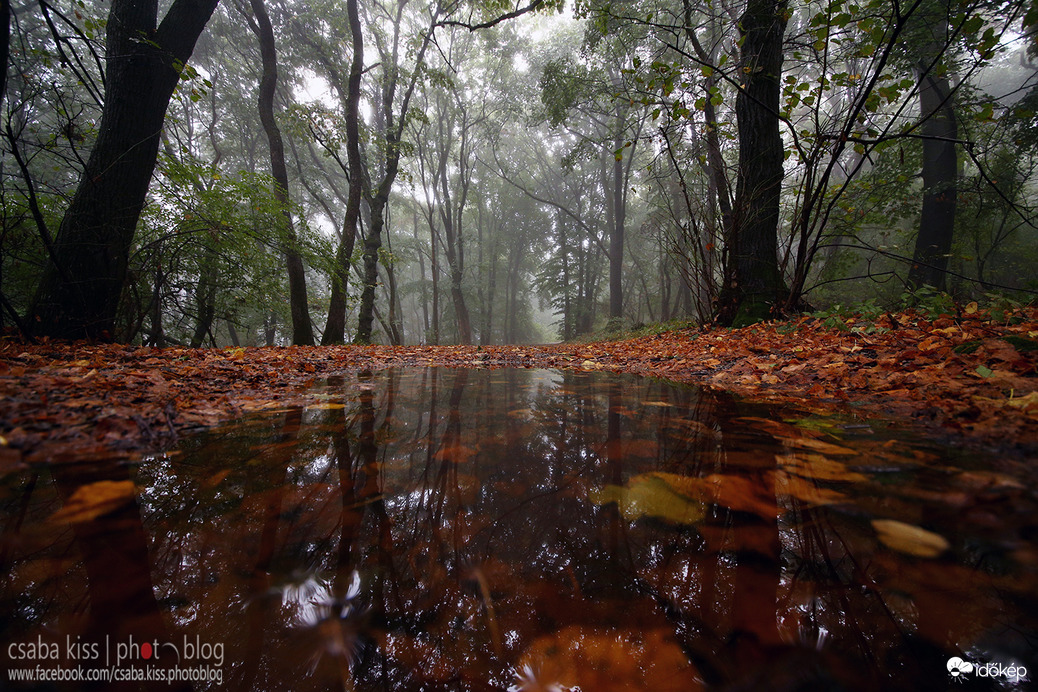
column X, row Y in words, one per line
column 587, row 658
column 909, row 539
column 818, row 446
column 805, row 490
column 94, row 500
column 818, row 467
column 734, row 492
column 648, row 495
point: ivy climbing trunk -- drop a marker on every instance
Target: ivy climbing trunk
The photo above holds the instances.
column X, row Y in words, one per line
column 753, row 286
column 302, row 329
column 78, row 294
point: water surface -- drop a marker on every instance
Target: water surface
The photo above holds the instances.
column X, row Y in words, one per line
column 428, row 529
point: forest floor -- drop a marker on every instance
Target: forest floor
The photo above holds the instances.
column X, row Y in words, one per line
column 973, row 375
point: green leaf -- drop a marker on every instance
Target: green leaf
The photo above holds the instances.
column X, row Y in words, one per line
column 984, row 371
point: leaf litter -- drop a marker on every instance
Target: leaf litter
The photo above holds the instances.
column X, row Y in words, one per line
column 59, row 399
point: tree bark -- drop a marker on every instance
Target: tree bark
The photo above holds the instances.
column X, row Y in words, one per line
column 302, row 329
column 452, row 224
column 394, row 129
column 335, row 330
column 940, row 172
column 616, row 229
column 754, row 285
column 78, row 295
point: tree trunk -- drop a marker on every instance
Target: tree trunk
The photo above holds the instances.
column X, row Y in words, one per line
column 754, row 285
column 5, row 43
column 302, row 329
column 372, row 246
column 425, row 287
column 78, row 295
column 616, row 232
column 335, row 330
column 434, row 268
column 157, row 336
column 395, row 331
column 233, row 333
column 940, row 172
column 452, row 219
column 205, row 296
column 380, row 199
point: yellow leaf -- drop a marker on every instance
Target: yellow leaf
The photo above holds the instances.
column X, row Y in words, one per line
column 972, row 308
column 648, row 495
column 94, row 500
column 1025, row 401
column 909, row 539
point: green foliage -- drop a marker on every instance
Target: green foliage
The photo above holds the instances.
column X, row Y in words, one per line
column 860, row 318
column 562, row 86
column 928, row 300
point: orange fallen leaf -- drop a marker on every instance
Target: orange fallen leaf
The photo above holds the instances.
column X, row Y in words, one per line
column 94, row 500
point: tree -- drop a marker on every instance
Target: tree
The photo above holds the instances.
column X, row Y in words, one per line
column 754, row 286
column 940, row 156
column 335, row 331
column 392, row 116
column 78, row 294
column 302, row 330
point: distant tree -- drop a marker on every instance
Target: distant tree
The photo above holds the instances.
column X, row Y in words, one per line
column 302, row 329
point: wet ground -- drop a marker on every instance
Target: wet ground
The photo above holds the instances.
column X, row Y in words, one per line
column 428, row 529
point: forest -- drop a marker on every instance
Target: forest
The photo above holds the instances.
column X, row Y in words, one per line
column 405, row 172
column 518, row 345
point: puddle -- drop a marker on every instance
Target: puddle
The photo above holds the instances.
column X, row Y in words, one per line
column 427, row 529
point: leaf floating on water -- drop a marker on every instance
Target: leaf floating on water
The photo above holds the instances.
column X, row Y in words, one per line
column 648, row 495
column 598, row 659
column 326, row 406
column 94, row 500
column 909, row 539
column 818, row 467
column 818, row 446
column 805, row 490
column 734, row 492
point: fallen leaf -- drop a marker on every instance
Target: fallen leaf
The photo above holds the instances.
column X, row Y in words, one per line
column 588, row 658
column 734, row 492
column 94, row 500
column 818, row 446
column 805, row 490
column 648, row 495
column 818, row 467
column 909, row 539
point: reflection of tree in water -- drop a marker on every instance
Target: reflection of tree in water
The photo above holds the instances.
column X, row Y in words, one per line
column 432, row 529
